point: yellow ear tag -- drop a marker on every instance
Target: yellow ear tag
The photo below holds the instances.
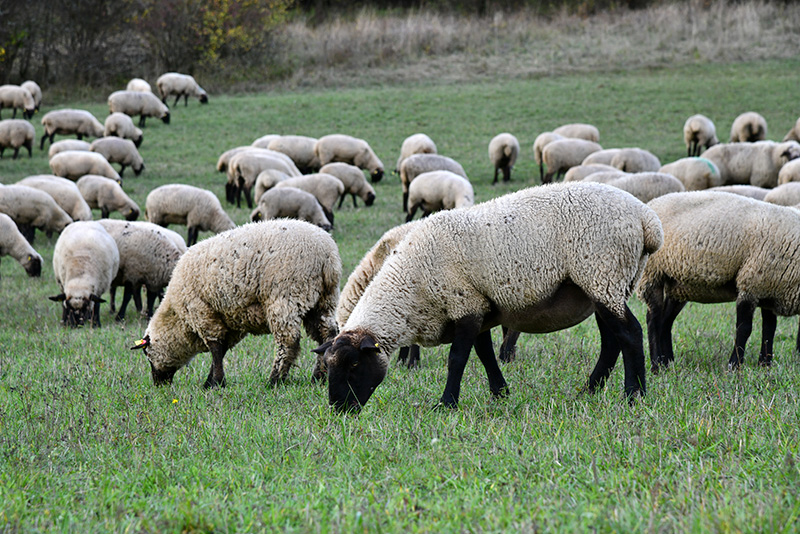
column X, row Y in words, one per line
column 141, row 343
column 376, row 345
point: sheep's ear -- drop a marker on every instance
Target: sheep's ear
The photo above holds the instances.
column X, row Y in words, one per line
column 95, row 298
column 142, row 343
column 368, row 344
column 58, row 298
column 322, row 348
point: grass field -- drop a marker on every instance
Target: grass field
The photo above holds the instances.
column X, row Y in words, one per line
column 88, row 444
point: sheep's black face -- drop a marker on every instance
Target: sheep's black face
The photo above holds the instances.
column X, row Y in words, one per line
column 370, row 199
column 138, row 141
column 165, row 118
column 132, row 215
column 162, row 377
column 138, row 171
column 204, row 99
column 354, row 372
column 376, row 175
column 33, row 266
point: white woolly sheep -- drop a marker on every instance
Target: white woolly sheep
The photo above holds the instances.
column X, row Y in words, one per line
column 138, row 84
column 266, row 180
column 77, row 122
column 85, row 261
column 794, row 133
column 261, row 278
column 503, row 152
column 695, row 173
column 64, row 192
column 16, row 133
column 134, row 103
column 563, row 154
column 244, row 168
column 461, row 272
column 579, row 130
column 121, row 125
column 73, row 164
column 601, row 157
column 348, row 149
column 748, row 128
column 438, row 190
column 68, row 144
column 698, row 133
column 198, row 209
column 353, row 180
column 576, row 174
column 225, row 157
column 122, row 151
column 790, row 172
column 644, row 185
column 541, row 141
column 292, row 203
column 326, row 189
column 787, row 194
column 418, row 143
column 300, row 149
column 749, row 191
column 415, row 165
column 14, row 244
column 720, row 247
column 752, row 163
column 107, row 195
column 35, row 91
column 180, row 85
column 264, row 141
column 635, row 160
column 16, row 97
column 31, row 208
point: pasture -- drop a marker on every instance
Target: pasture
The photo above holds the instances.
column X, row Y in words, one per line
column 88, row 444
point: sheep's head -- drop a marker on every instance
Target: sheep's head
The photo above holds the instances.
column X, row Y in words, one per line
column 165, row 117
column 132, row 215
column 204, row 98
column 370, row 199
column 162, row 373
column 376, row 175
column 33, row 265
column 137, row 170
column 79, row 310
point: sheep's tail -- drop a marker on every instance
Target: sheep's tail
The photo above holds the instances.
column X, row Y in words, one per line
column 653, row 232
column 508, row 150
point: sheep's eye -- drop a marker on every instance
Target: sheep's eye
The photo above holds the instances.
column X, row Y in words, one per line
column 354, row 365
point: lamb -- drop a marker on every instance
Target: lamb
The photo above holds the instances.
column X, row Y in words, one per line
column 579, row 130
column 180, row 85
column 438, row 190
column 134, row 103
column 644, row 185
column 261, row 278
column 461, row 272
column 326, row 189
column 749, row 191
column 353, row 180
column 107, row 195
column 415, row 165
column 16, row 133
column 14, row 244
column 576, row 174
column 541, row 141
column 245, row 166
column 122, row 151
column 68, row 144
column 563, row 154
column 698, row 133
column 601, row 157
column 64, row 192
column 73, row 164
column 16, row 97
column 752, row 163
column 503, row 152
column 85, row 261
column 300, row 149
column 199, row 209
column 748, row 128
column 787, row 194
column 31, row 208
column 293, row 203
column 138, row 84
column 121, row 125
column 755, row 263
column 35, row 91
column 264, row 140
column 348, row 149
column 635, row 160
column 77, row 122
column 266, row 180
column 794, row 133
column 418, row 143
column 790, row 172
column 694, row 172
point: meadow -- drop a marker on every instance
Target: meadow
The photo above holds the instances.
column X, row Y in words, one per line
column 88, row 444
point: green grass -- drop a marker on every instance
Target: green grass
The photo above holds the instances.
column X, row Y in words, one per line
column 88, row 444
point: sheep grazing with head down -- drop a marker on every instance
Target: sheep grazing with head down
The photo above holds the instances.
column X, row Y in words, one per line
column 16, row 97
column 14, row 244
column 73, row 164
column 35, row 91
column 503, row 152
column 326, row 189
column 107, row 195
column 538, row 260
column 752, row 163
column 121, row 125
column 300, row 149
column 180, row 85
column 244, row 167
column 292, row 203
column 438, row 190
column 541, row 141
column 64, row 192
column 353, row 180
column 16, row 133
column 31, row 209
column 348, row 149
column 199, row 209
column 122, row 151
column 699, row 132
column 635, row 160
column 418, row 143
column 264, row 141
column 748, row 127
column 415, row 165
column 77, row 122
column 561, row 155
column 134, row 103
column 261, row 278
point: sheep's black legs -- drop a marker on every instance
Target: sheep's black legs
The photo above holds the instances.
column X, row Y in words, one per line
column 744, row 327
column 137, row 297
column 151, row 302
column 508, row 349
column 466, row 331
column 191, row 237
column 126, row 298
column 609, row 353
column 412, row 212
column 627, row 334
column 506, row 174
column 769, row 322
column 405, row 201
column 216, row 376
column 495, row 176
column 661, row 314
column 409, row 356
column 485, row 351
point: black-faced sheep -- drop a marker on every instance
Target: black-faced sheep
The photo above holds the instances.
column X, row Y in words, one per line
column 198, row 209
column 31, row 209
column 134, row 103
column 14, row 244
column 64, row 192
column 35, row 91
column 244, row 168
column 635, row 160
column 348, row 149
column 503, row 152
column 16, row 133
column 353, row 180
column 107, row 195
column 748, row 128
column 16, row 97
column 122, row 151
column 180, row 85
column 415, row 165
column 326, row 189
column 121, row 125
column 699, row 133
column 77, row 122
column 438, row 190
column 73, row 164
column 292, row 203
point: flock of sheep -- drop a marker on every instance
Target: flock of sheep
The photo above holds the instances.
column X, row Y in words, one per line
column 720, row 227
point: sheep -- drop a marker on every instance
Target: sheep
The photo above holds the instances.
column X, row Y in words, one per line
column 579, row 130
column 415, row 165
column 563, row 154
column 31, row 208
column 121, row 125
column 635, row 160
column 264, row 141
column 752, row 163
column 138, row 84
column 107, row 195
column 266, row 180
column 180, row 85
column 68, row 122
column 794, row 133
column 720, row 247
column 199, row 209
column 68, row 144
column 293, row 203
column 348, row 149
column 225, row 157
column 576, row 174
column 503, row 152
column 261, row 278
column 606, row 177
column 538, row 260
column 35, row 91
column 787, row 194
column 134, row 103
column 601, row 157
column 244, row 167
column 694, row 172
column 790, row 172
column 16, row 97
column 16, row 133
column 749, row 191
column 300, row 149
column 698, row 133
column 85, row 261
column 644, row 185
column 326, row 189
column 353, row 180
column 541, row 141
column 418, row 143
column 748, row 127
column 438, row 190
column 64, row 192
column 122, row 151
column 73, row 164
column 14, row 244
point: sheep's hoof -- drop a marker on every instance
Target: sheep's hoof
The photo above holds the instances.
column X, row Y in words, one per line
column 212, row 383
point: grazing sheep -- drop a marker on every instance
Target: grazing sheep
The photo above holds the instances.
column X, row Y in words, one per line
column 787, row 194
column 16, row 133
column 266, row 180
column 503, row 152
column 353, row 180
column 438, row 190
column 138, row 84
column 64, row 192
column 749, row 191
column 541, row 141
column 643, row 185
column 418, row 143
column 77, row 122
column 16, row 97
column 68, row 144
column 794, row 133
column 300, row 149
column 561, row 155
column 73, row 164
column 122, row 151
column 698, row 133
column 292, row 203
column 198, row 209
column 601, row 157
column 635, row 160
column 348, row 149
column 107, row 195
column 264, row 141
column 31, row 208
column 121, row 125
column 579, row 130
column 14, row 244
column 180, row 85
column 415, row 165
column 35, row 91
column 225, row 157
column 538, row 260
column 720, row 247
column 576, row 174
column 752, row 163
column 790, row 172
column 244, row 168
column 134, row 103
column 326, row 189
column 748, row 128
column 261, row 278
column 695, row 173
column 85, row 261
